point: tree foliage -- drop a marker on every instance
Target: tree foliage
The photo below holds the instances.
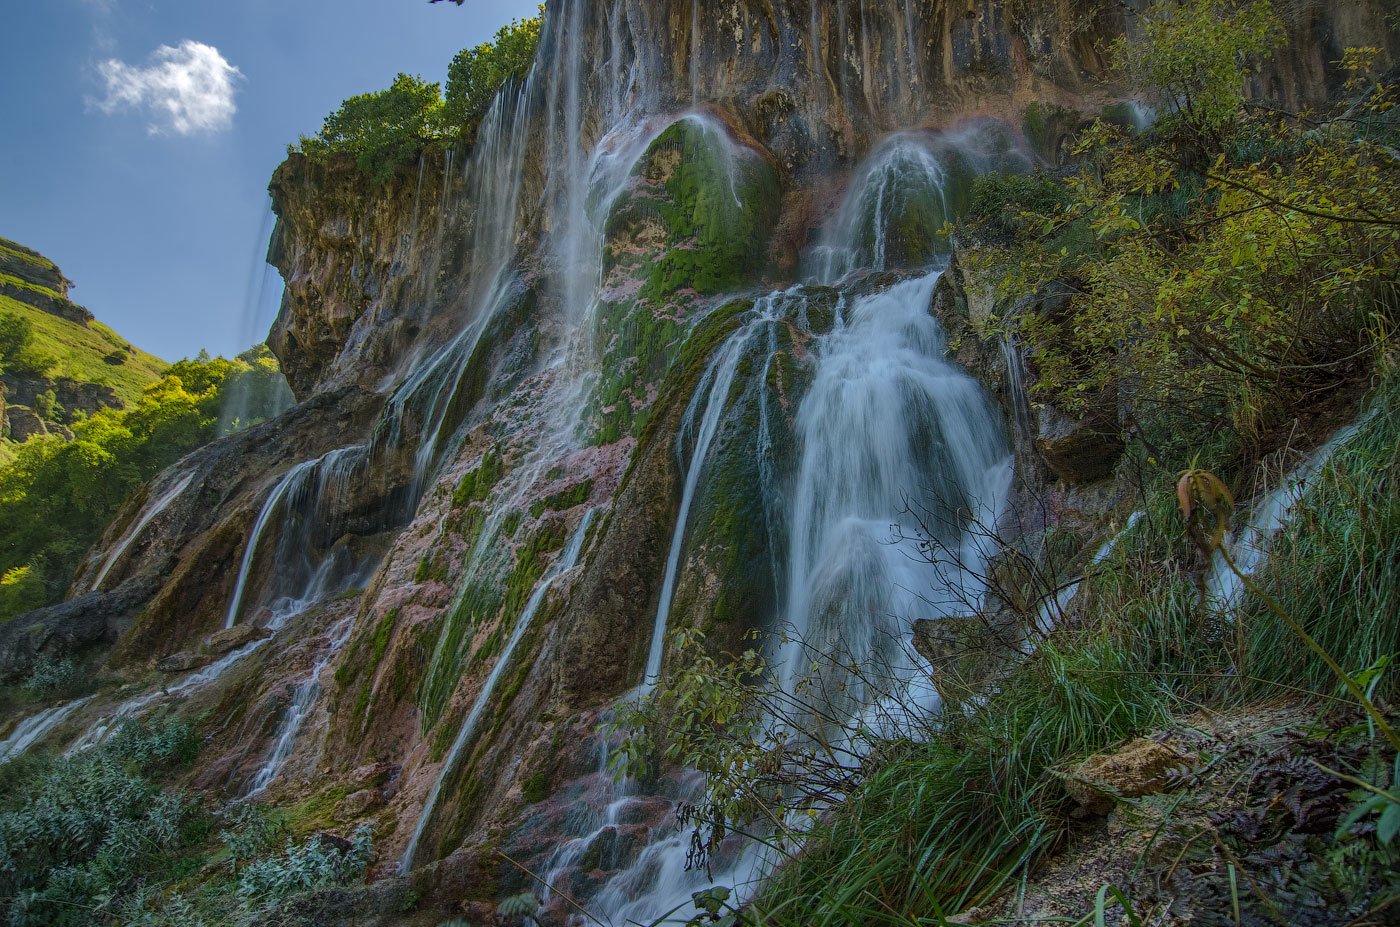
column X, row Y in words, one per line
column 1192, row 57
column 57, row 496
column 477, row 74
column 18, row 353
column 384, row 130
column 1235, row 272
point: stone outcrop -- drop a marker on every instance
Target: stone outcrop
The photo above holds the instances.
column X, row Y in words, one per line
column 75, row 628
column 72, row 399
column 22, row 423
column 36, row 281
column 1143, row 767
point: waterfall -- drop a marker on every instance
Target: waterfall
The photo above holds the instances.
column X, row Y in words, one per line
column 36, row 727
column 1249, row 547
column 888, row 421
column 902, row 186
column 566, row 561
column 1052, row 608
column 199, row 679
column 720, row 377
column 892, row 438
column 149, row 513
column 304, row 698
column 307, row 497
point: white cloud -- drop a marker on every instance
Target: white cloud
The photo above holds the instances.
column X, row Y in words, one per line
column 187, row 89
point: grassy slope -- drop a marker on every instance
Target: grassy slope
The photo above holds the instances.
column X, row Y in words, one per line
column 79, row 350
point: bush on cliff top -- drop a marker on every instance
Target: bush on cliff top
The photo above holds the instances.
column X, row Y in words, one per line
column 384, row 130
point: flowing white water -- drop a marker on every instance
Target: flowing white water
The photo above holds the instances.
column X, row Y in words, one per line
column 148, row 514
column 134, row 708
column 1052, row 608
column 35, row 728
column 304, row 698
column 720, row 378
column 274, row 500
column 888, row 422
column 302, row 503
column 566, row 561
column 1249, row 547
column 902, row 181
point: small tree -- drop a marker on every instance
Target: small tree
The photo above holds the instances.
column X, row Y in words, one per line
column 477, row 74
column 1192, row 58
column 381, row 130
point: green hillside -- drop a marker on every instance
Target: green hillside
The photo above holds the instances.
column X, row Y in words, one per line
column 34, row 289
column 78, row 351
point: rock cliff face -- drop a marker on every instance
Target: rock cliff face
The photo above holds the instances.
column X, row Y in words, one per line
column 556, row 400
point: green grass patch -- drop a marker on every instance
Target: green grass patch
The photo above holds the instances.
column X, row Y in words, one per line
column 78, row 352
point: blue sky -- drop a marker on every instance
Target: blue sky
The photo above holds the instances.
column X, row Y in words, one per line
column 136, row 158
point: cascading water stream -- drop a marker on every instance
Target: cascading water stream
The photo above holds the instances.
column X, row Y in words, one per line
column 887, row 423
column 35, row 728
column 1249, row 546
column 1052, row 609
column 302, row 497
column 567, row 560
column 720, row 377
column 304, row 699
column 245, row 568
column 149, row 514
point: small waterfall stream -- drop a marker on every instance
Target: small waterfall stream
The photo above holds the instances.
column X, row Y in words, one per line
column 887, row 423
column 1249, row 546
column 567, row 560
column 36, row 727
column 303, row 505
column 304, row 699
column 149, row 513
column 720, row 379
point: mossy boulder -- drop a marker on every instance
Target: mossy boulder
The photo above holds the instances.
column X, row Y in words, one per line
column 706, row 203
column 695, row 220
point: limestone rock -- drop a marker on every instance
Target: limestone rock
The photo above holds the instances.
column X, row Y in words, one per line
column 72, row 627
column 1143, row 767
column 230, row 639
column 358, row 804
column 1079, row 450
column 24, row 423
column 965, row 654
column 183, row 662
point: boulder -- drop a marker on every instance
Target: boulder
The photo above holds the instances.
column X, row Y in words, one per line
column 357, row 804
column 1079, row 450
column 183, row 662
column 965, row 654
column 1143, row 767
column 230, row 639
column 23, row 423
column 67, row 629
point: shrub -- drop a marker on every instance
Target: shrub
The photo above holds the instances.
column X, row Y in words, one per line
column 477, row 74
column 79, row 834
column 317, row 862
column 380, row 131
column 1190, row 57
column 57, row 496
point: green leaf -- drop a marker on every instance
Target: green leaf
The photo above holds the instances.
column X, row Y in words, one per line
column 1389, row 824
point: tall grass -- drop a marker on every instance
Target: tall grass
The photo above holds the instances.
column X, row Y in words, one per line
column 951, row 821
column 1336, row 567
